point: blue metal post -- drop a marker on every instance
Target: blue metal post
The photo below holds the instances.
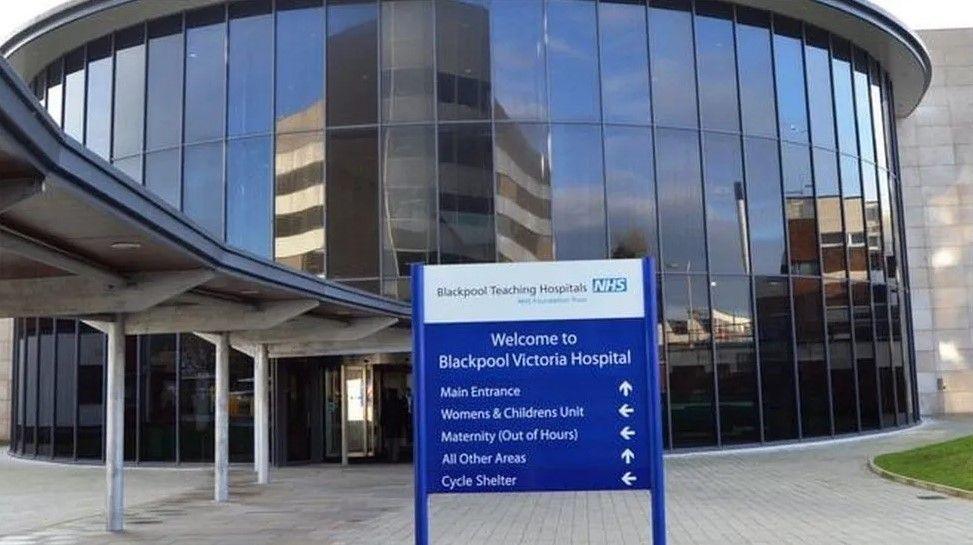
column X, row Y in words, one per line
column 418, row 408
column 658, row 480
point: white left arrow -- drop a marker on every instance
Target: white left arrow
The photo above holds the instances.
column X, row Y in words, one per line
column 627, row 433
column 628, row 456
column 625, row 410
column 629, row 479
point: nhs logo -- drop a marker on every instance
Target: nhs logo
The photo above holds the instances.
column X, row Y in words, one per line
column 609, row 285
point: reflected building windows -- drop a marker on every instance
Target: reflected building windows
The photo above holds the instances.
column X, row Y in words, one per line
column 407, row 60
column 299, row 240
column 799, row 209
column 466, row 194
column 463, row 80
column 523, row 193
column 408, row 199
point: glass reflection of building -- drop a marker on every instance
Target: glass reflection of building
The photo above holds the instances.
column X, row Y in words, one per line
column 748, row 152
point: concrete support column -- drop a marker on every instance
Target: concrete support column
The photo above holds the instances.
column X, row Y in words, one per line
column 221, row 458
column 344, row 418
column 261, row 432
column 115, row 426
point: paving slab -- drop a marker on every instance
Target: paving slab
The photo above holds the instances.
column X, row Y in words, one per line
column 800, row 495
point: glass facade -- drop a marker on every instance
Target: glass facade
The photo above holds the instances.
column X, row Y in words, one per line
column 748, row 152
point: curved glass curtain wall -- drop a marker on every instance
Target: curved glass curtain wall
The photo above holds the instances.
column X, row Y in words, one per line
column 753, row 155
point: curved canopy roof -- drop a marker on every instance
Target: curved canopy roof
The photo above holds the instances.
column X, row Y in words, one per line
column 887, row 39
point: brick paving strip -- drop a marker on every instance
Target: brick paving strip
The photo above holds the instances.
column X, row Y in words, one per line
column 800, row 495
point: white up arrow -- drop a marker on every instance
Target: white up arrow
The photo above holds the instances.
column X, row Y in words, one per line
column 627, row 433
column 628, row 456
column 629, row 479
column 625, row 410
column 625, row 388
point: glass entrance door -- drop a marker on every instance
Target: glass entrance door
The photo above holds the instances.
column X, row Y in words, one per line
column 360, row 425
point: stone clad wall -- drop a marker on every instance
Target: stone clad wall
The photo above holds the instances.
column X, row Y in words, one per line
column 936, row 151
column 6, row 368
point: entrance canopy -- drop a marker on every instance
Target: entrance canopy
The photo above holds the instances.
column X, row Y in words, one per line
column 79, row 238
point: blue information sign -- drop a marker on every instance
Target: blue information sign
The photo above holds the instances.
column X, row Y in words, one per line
column 536, row 377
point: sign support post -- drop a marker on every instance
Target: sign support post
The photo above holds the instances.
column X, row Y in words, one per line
column 518, row 367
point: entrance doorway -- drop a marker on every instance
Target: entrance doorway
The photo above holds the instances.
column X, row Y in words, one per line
column 354, row 408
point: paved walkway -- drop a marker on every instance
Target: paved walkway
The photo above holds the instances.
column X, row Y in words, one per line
column 818, row 494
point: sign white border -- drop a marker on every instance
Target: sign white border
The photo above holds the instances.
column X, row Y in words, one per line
column 509, row 292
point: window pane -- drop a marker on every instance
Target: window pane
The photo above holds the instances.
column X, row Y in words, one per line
column 873, row 224
column 736, row 360
column 45, row 387
column 672, row 62
column 687, row 334
column 630, row 182
column 863, row 107
column 624, row 62
column 165, row 88
column 352, row 193
column 883, row 354
column 203, row 184
column 55, row 91
column 162, row 175
column 157, row 392
column 680, row 190
column 300, row 65
column 299, row 201
column 251, row 61
column 903, row 386
column 764, row 204
column 802, row 228
column 129, row 94
column 726, row 209
column 843, row 386
column 466, row 226
column 878, row 121
column 844, row 100
column 812, row 366
column 197, row 363
column 91, row 399
column 716, row 62
column 519, row 79
column 205, row 69
column 30, row 389
column 352, row 62
column 408, row 198
column 776, row 359
column 789, row 69
column 572, row 60
column 523, row 189
column 854, row 218
column 250, row 199
column 830, row 218
column 241, row 407
column 463, row 59
column 865, row 355
column 820, row 103
column 67, row 370
column 74, row 90
column 578, row 186
column 407, row 60
column 98, row 120
column 755, row 73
